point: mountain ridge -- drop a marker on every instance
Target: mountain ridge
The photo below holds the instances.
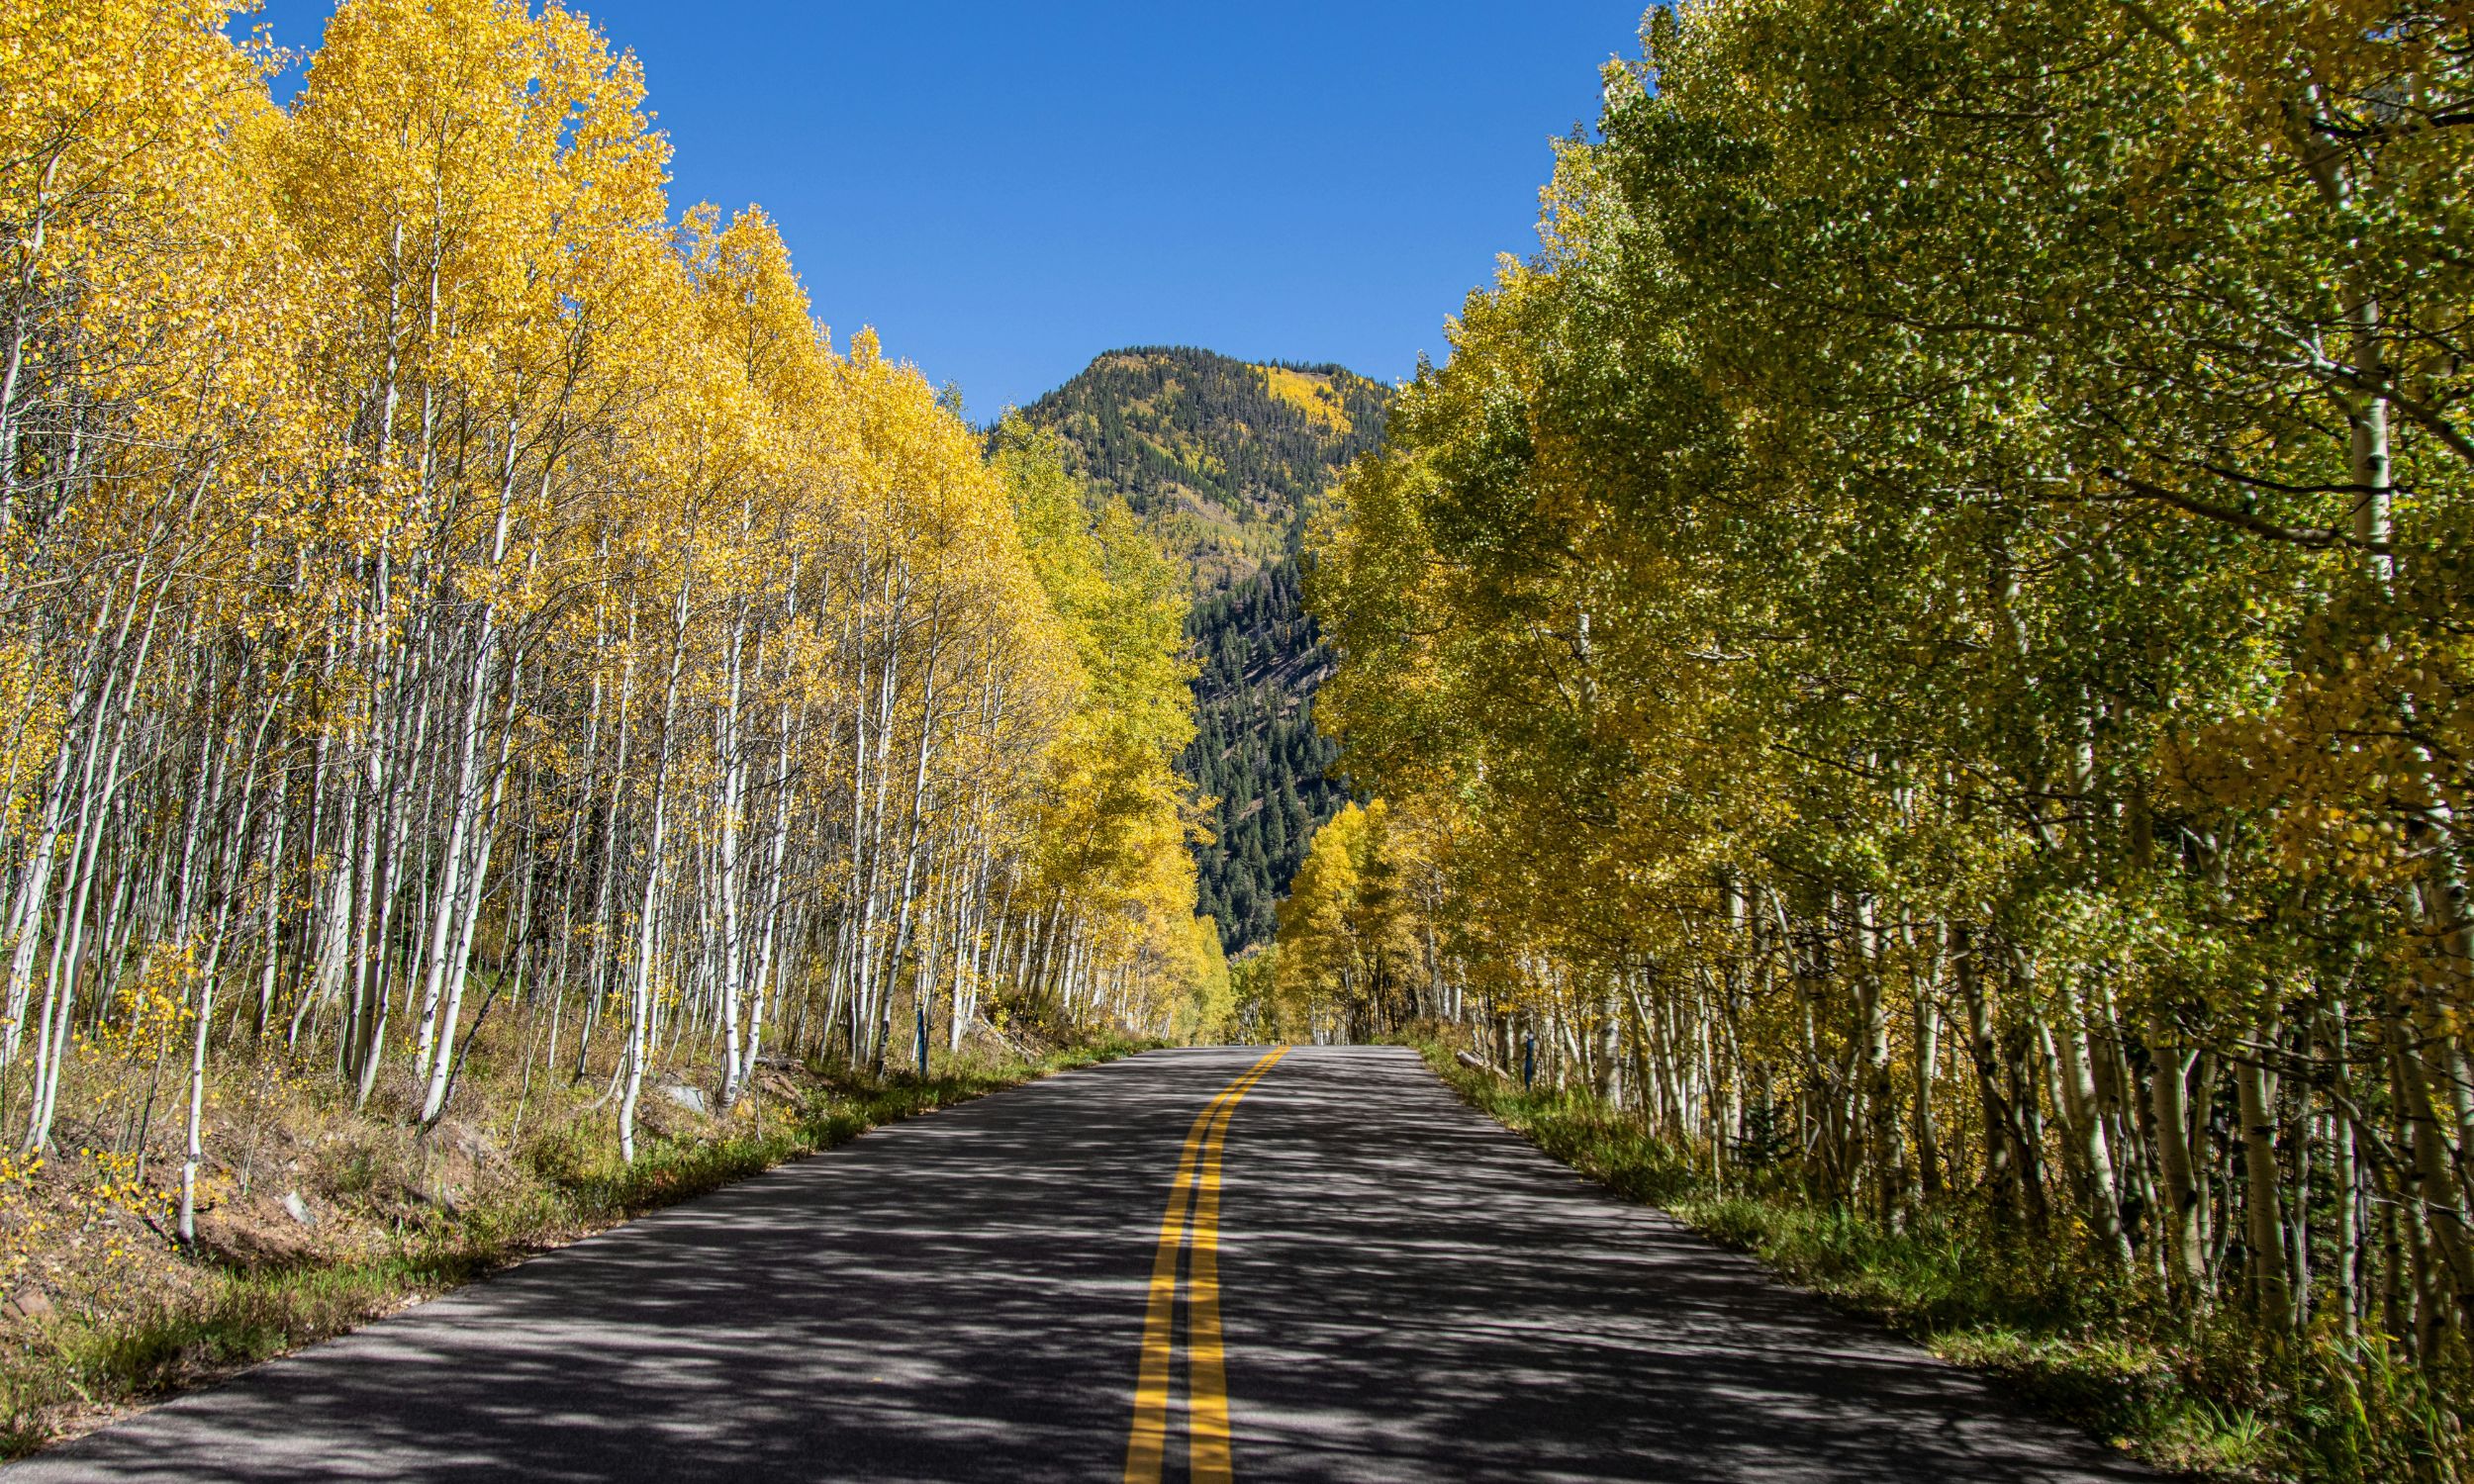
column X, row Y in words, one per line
column 1221, row 459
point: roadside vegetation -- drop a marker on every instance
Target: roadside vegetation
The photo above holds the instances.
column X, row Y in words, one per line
column 2204, row 1394
column 1920, row 654
column 325, row 1217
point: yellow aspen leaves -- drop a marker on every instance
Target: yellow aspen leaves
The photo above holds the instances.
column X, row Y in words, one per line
column 436, row 572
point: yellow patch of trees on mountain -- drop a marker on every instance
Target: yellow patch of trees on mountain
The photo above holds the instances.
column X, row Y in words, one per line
column 1310, row 394
column 429, row 572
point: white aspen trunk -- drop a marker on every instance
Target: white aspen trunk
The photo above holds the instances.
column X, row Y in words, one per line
column 2261, row 1205
column 272, row 910
column 335, row 936
column 640, row 999
column 2081, row 1115
column 52, row 1055
column 761, row 984
column 967, row 935
column 867, row 994
column 34, row 882
column 456, row 862
column 727, row 882
column 352, row 1046
column 605, row 926
column 195, row 1149
column 776, row 883
column 919, row 811
column 2169, row 1094
column 846, row 965
column 468, row 913
column 25, row 912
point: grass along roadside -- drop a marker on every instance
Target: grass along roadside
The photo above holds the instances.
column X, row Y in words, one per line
column 386, row 1222
column 2206, row 1396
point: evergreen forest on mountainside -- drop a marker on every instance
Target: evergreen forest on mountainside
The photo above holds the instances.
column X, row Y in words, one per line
column 1222, row 459
column 1255, row 750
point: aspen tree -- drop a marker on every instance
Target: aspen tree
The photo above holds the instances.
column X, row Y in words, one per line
column 1931, row 615
column 430, row 575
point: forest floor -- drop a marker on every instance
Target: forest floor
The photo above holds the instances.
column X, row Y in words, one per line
column 316, row 1217
column 2207, row 1396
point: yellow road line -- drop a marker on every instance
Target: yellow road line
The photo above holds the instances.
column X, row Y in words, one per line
column 1206, row 1377
column 1196, row 1189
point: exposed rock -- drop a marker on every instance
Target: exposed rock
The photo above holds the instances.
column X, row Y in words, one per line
column 297, row 1209
column 690, row 1098
column 30, row 1302
column 468, row 1141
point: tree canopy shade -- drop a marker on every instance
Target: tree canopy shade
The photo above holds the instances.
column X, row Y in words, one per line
column 1930, row 622
column 427, row 571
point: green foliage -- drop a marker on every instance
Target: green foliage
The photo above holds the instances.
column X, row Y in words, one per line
column 1214, row 1014
column 1348, row 945
column 1253, row 981
column 1934, row 613
column 1115, row 816
column 1122, row 601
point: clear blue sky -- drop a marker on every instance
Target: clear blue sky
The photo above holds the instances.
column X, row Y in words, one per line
column 1005, row 190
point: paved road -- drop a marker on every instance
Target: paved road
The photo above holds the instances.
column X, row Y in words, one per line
column 1407, row 1292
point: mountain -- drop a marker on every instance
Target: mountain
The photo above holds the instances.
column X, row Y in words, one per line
column 1221, row 458
column 1218, row 456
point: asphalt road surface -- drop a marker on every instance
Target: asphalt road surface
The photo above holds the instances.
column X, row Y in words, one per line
column 1404, row 1291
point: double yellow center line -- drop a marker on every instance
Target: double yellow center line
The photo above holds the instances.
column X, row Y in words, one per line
column 1198, row 1190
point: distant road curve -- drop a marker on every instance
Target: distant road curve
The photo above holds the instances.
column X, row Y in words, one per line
column 1400, row 1290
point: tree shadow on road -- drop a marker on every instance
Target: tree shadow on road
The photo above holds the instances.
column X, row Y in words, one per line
column 1410, row 1293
